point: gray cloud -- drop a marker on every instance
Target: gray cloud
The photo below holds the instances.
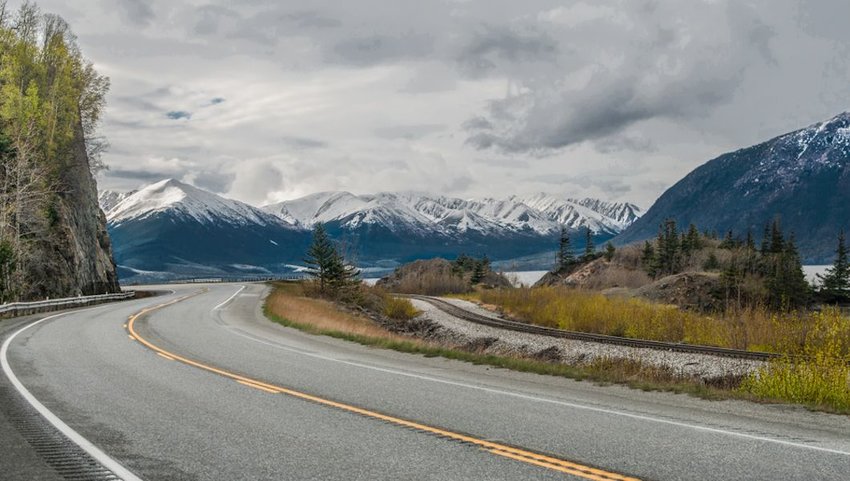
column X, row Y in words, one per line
column 139, row 175
column 373, row 49
column 392, row 95
column 135, row 12
column 493, row 48
column 301, row 143
column 408, row 132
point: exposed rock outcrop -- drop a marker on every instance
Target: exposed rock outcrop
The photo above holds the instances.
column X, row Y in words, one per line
column 76, row 253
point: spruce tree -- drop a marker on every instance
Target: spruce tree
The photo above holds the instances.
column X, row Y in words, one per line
column 786, row 282
column 648, row 258
column 565, row 253
column 777, row 241
column 835, row 282
column 589, row 248
column 610, row 250
column 322, row 258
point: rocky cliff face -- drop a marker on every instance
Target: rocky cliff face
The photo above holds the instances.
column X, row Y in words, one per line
column 76, row 254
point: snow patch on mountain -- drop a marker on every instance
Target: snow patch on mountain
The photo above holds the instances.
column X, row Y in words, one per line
column 422, row 212
column 108, row 199
column 187, row 201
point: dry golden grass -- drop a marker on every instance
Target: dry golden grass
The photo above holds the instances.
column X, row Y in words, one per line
column 754, row 329
column 288, row 301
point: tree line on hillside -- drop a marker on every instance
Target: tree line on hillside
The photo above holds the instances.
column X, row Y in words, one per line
column 771, row 271
column 51, row 100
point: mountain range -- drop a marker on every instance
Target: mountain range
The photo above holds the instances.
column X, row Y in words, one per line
column 172, row 229
column 802, row 178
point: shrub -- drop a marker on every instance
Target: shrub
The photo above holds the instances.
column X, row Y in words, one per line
column 399, row 308
column 817, row 373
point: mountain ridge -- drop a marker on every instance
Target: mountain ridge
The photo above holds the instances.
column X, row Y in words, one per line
column 801, row 177
column 159, row 228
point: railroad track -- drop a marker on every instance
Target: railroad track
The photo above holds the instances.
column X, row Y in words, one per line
column 466, row 315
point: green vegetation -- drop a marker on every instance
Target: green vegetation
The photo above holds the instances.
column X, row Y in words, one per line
column 835, row 283
column 399, row 308
column 325, row 263
column 51, row 100
column 772, row 275
column 815, row 372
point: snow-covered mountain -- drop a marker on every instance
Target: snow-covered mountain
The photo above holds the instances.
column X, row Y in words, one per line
column 171, row 229
column 540, row 214
column 802, row 177
column 184, row 200
column 107, row 199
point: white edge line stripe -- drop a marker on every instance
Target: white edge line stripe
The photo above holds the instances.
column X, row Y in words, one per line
column 552, row 401
column 95, row 452
column 228, row 299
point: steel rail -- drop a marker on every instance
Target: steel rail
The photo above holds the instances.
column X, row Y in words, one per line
column 476, row 318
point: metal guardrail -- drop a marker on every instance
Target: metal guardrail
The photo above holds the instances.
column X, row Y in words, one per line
column 22, row 308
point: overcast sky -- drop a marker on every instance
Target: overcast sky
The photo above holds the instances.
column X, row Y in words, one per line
column 271, row 100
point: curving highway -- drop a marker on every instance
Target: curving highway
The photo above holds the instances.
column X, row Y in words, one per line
column 202, row 387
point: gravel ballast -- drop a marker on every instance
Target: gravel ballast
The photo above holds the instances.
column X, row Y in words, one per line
column 491, row 340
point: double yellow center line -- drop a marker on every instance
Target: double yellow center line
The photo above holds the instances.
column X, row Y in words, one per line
column 510, row 452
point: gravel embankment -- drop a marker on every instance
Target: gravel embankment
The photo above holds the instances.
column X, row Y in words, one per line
column 503, row 342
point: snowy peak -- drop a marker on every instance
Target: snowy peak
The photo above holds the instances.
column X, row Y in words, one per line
column 421, row 212
column 185, row 200
column 108, row 199
column 816, row 148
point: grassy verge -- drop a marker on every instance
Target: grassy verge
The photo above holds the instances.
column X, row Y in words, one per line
column 289, row 306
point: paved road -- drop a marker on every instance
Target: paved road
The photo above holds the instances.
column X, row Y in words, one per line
column 164, row 419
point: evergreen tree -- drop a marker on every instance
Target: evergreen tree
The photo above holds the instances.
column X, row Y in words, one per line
column 694, row 241
column 765, row 241
column 648, row 258
column 610, row 250
column 786, row 282
column 478, row 273
column 322, row 258
column 711, row 264
column 777, row 241
column 565, row 253
column 835, row 282
column 589, row 248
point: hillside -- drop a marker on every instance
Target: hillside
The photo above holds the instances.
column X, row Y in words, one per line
column 802, row 177
column 53, row 237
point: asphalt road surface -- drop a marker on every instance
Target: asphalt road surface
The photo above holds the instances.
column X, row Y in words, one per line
column 208, row 389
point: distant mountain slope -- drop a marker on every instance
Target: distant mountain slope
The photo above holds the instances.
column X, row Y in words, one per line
column 541, row 214
column 803, row 177
column 173, row 229
column 170, row 228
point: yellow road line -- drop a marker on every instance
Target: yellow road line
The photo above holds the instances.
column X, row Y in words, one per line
column 522, row 455
column 261, row 388
column 166, row 356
